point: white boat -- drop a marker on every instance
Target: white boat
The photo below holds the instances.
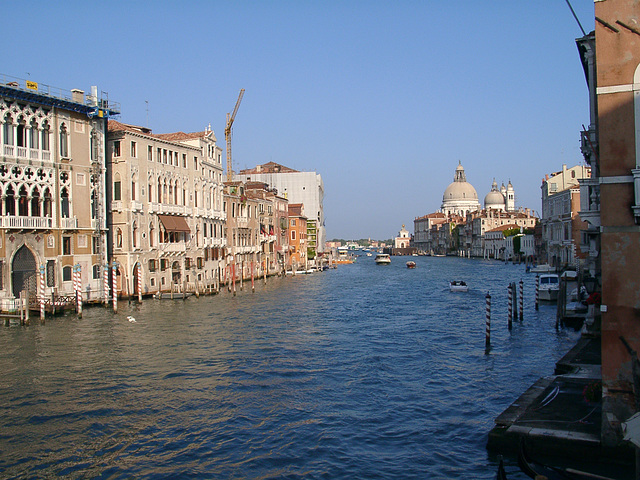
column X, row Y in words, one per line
column 411, row 264
column 458, row 286
column 383, row 259
column 542, row 269
column 548, row 287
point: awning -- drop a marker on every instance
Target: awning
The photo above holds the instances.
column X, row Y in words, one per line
column 174, row 224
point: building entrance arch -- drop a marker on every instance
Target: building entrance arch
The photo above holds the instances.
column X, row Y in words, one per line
column 23, row 272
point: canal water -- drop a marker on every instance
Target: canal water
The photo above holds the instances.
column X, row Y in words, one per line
column 363, row 372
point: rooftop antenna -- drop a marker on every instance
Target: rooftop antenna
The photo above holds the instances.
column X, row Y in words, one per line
column 584, row 34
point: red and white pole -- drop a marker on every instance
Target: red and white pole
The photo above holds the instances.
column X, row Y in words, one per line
column 139, row 267
column 42, row 312
column 114, row 285
column 106, row 283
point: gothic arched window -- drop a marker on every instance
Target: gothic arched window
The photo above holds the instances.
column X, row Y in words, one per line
column 64, row 203
column 64, row 138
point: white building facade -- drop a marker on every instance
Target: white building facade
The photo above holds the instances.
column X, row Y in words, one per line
column 297, row 187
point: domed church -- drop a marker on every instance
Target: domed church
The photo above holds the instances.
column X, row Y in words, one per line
column 460, row 197
column 502, row 200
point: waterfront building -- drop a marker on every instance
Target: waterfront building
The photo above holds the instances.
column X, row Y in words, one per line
column 166, row 220
column 52, row 180
column 297, row 187
column 423, row 231
column 495, row 243
column 403, row 240
column 561, row 224
column 460, row 197
column 242, row 229
column 273, row 216
column 615, row 160
column 297, row 237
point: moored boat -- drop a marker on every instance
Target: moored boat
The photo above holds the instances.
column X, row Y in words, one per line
column 548, row 287
column 383, row 259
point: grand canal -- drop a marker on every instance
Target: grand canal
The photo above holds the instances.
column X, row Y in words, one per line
column 362, row 372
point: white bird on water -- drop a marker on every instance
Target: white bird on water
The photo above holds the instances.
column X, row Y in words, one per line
column 131, row 319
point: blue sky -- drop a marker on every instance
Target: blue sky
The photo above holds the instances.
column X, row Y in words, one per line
column 382, row 98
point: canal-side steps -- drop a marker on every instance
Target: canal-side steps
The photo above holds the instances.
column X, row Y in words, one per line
column 560, row 415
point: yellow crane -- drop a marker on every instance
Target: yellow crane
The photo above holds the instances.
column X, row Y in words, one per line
column 227, row 135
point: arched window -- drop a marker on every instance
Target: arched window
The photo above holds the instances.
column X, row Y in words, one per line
column 23, row 202
column 133, row 187
column 159, row 196
column 64, row 203
column 134, row 237
column 33, row 134
column 35, row 203
column 21, row 132
column 7, row 130
column 10, row 201
column 64, row 146
column 45, row 136
column 175, row 194
column 66, row 274
column 151, row 235
column 171, row 191
column 117, row 187
column 47, row 204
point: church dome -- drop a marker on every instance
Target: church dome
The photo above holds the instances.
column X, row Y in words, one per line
column 494, row 199
column 460, row 189
column 460, row 197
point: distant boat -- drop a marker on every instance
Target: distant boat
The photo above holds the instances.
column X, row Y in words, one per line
column 458, row 286
column 542, row 269
column 383, row 259
column 411, row 264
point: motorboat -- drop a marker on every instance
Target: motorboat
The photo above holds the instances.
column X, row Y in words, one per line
column 411, row 264
column 458, row 286
column 544, row 268
column 383, row 259
column 548, row 287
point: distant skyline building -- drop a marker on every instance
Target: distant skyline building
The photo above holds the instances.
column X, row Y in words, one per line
column 298, row 187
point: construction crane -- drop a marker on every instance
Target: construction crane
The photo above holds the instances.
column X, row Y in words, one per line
column 227, row 135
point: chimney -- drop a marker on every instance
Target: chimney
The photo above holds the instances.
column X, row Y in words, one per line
column 77, row 95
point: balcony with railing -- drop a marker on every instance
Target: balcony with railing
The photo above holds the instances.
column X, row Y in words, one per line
column 26, row 153
column 69, row 223
column 179, row 247
column 32, row 223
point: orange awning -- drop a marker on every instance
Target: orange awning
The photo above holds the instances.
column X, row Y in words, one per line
column 174, row 224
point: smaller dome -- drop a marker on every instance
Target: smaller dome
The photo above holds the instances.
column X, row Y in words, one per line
column 494, row 199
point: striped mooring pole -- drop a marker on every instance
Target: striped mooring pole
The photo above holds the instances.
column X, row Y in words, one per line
column 139, row 267
column 42, row 312
column 233, row 277
column 253, row 287
column 487, row 333
column 106, row 283
column 510, row 305
column 537, row 291
column 114, row 285
column 521, row 299
column 79, row 291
